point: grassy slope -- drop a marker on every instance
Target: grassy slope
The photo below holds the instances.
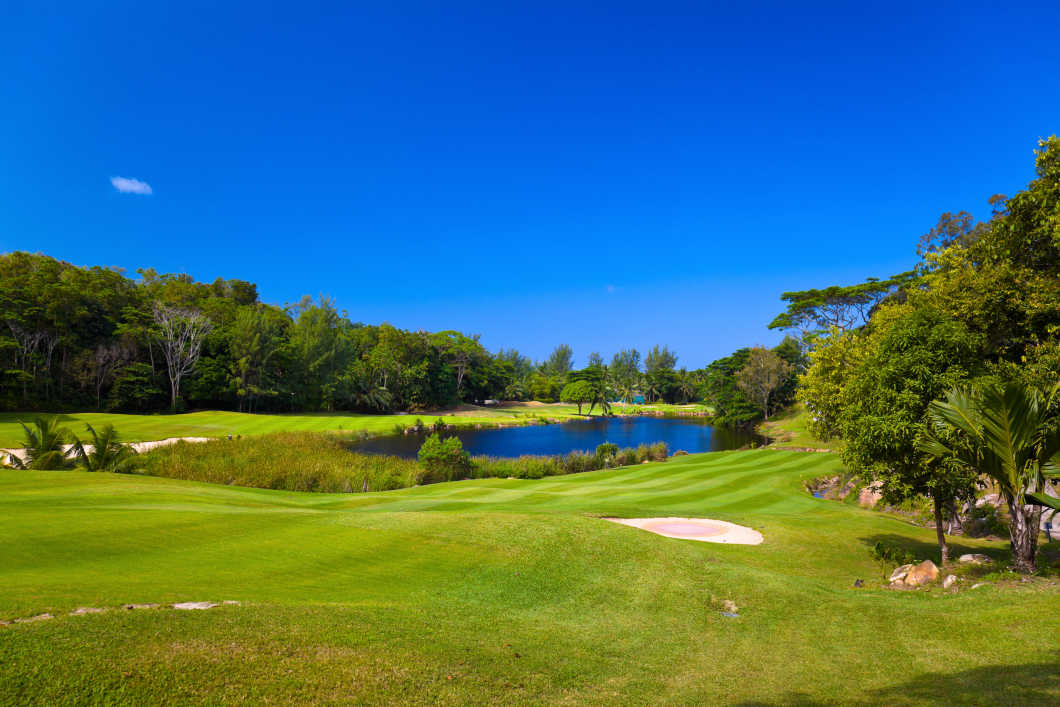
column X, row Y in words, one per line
column 789, row 430
column 217, row 423
column 494, row 591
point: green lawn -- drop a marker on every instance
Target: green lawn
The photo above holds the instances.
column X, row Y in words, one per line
column 789, row 429
column 216, row 423
column 496, row 590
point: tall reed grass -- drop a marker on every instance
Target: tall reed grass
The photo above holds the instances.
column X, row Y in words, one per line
column 291, row 461
column 323, row 462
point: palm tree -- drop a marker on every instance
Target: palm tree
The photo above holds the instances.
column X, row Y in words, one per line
column 652, row 389
column 1009, row 434
column 44, row 447
column 107, row 453
column 686, row 386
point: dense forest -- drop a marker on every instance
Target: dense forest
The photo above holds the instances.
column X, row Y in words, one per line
column 93, row 338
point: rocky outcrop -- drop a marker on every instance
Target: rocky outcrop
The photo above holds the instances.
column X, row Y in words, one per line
column 870, row 495
column 915, row 575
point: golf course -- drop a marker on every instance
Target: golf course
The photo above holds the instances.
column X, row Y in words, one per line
column 498, row 590
column 220, row 423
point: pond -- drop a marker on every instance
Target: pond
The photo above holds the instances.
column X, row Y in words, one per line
column 691, row 434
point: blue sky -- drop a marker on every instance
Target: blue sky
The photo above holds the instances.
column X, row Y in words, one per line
column 602, row 174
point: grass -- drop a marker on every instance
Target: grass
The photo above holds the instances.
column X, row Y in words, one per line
column 497, row 591
column 289, row 461
column 215, row 423
column 789, row 429
column 323, row 462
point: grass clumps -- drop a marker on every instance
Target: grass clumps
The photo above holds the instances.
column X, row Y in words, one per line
column 288, row 461
column 322, row 462
column 606, row 456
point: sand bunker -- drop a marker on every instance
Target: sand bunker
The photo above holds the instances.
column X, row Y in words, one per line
column 704, row 529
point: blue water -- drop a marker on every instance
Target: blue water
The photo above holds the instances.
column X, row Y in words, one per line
column 690, row 434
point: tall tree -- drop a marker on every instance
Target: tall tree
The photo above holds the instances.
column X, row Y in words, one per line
column 181, row 332
column 841, row 307
column 763, row 374
column 659, row 359
column 912, row 357
column 560, row 361
column 625, row 371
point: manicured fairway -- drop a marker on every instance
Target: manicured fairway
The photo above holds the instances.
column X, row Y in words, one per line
column 496, row 591
column 216, row 423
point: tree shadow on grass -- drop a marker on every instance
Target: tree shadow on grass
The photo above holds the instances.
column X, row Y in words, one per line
column 1035, row 683
column 923, row 550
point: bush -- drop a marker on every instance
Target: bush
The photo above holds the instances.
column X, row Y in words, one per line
column 443, row 460
column 606, row 453
column 892, row 554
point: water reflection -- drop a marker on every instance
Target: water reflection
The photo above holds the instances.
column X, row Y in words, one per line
column 690, row 434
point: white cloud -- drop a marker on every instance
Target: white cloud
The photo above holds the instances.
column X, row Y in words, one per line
column 130, row 186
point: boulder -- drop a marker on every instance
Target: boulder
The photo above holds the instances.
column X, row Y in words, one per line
column 899, row 573
column 870, row 495
column 975, row 558
column 921, row 574
column 951, row 579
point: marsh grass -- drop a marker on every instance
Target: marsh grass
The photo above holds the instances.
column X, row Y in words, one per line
column 289, row 461
column 538, row 467
column 324, row 462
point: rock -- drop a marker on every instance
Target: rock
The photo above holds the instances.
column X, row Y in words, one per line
column 86, row 610
column 31, row 619
column 130, row 607
column 899, row 573
column 730, row 606
column 980, row 584
column 230, row 602
column 193, row 605
column 922, row 574
column 951, row 579
column 870, row 495
column 859, row 583
column 975, row 559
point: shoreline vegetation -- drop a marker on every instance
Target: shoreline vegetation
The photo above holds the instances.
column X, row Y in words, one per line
column 220, row 424
column 323, row 462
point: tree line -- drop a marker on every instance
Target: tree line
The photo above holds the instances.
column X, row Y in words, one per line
column 93, row 338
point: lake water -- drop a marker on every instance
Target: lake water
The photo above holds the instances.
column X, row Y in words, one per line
column 691, row 434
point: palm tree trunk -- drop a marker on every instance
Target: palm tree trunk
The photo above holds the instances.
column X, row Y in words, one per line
column 1023, row 529
column 940, row 533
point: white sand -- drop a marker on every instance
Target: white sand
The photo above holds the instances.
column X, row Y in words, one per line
column 703, row 529
column 137, row 446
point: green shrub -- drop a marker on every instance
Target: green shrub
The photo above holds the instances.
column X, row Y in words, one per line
column 606, row 453
column 892, row 554
column 443, row 460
